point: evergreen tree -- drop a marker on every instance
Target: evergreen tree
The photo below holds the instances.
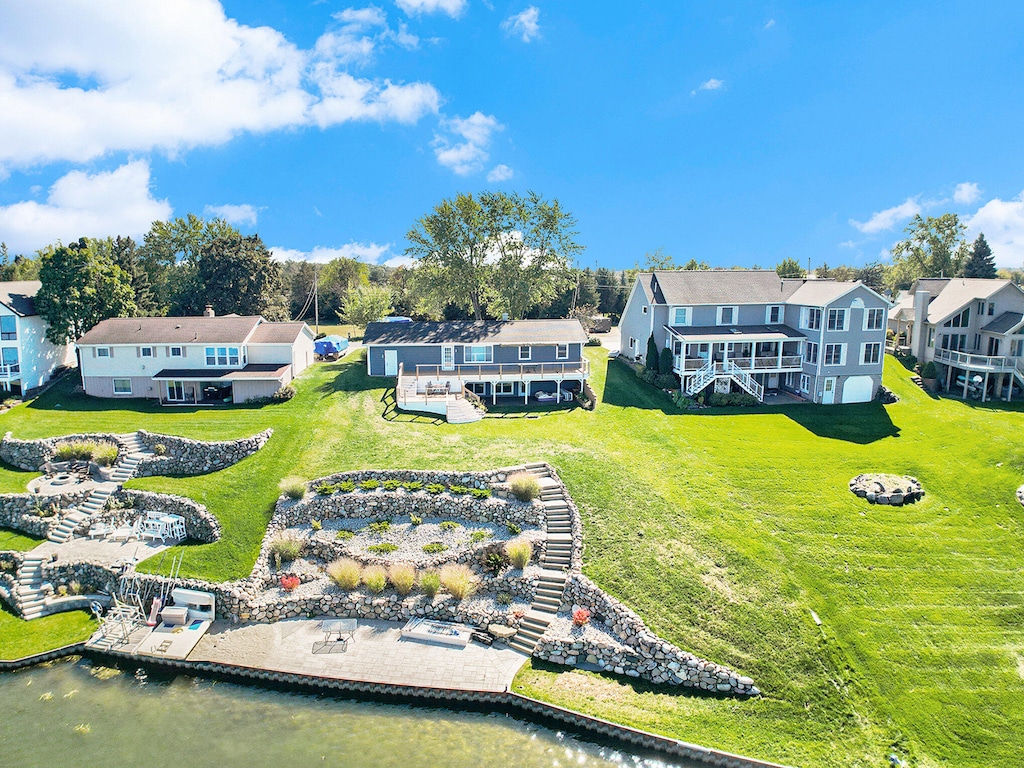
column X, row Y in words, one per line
column 789, row 267
column 981, row 262
column 651, row 361
column 666, row 360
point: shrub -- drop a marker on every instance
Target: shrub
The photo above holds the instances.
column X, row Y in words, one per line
column 430, row 583
column 435, row 488
column 435, row 548
column 379, row 527
column 62, row 591
column 647, row 375
column 580, row 617
column 651, row 358
column 512, row 528
column 315, row 524
column 325, row 489
column 75, row 449
column 732, row 399
column 346, row 486
column 481, row 493
column 391, row 485
column 524, row 487
column 375, row 578
column 666, row 381
column 75, row 587
column 459, row 490
column 415, row 519
column 519, row 552
column 284, row 394
column 160, row 449
column 289, row 582
column 370, row 485
column 477, row 536
column 286, row 547
column 665, row 361
column 929, row 371
column 593, row 341
column 403, row 577
column 494, row 562
column 413, row 485
column 458, row 579
column 293, row 487
column 384, row 548
column 343, row 534
column 503, row 598
column 105, row 454
column 345, row 572
column 449, row 525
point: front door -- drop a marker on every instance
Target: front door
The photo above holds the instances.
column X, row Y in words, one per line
column 447, row 357
column 993, row 346
column 390, row 362
column 829, row 395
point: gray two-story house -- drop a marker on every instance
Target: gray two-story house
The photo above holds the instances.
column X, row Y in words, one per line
column 751, row 330
column 436, row 363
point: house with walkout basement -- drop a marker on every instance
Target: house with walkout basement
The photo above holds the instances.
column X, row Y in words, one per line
column 753, row 331
column 439, row 364
column 971, row 328
column 28, row 358
column 204, row 360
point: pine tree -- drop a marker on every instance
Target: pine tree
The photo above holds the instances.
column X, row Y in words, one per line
column 651, row 361
column 981, row 262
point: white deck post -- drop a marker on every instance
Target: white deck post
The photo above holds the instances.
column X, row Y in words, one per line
column 526, row 392
column 967, row 380
column 984, row 392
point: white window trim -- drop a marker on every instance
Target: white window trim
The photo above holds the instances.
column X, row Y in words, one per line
column 104, row 352
column 735, row 314
column 179, row 352
column 529, row 353
column 500, row 386
column 805, row 383
column 846, row 320
column 864, row 350
column 842, row 355
column 113, row 383
column 687, row 320
column 559, row 354
column 644, row 309
column 807, row 352
column 867, row 314
column 489, row 354
column 768, row 314
column 144, row 350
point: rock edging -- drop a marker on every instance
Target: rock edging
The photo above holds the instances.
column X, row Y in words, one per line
column 894, row 490
column 185, row 456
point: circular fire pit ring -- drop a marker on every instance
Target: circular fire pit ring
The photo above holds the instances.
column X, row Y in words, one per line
column 881, row 488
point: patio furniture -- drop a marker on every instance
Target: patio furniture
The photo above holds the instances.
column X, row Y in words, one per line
column 337, row 635
column 100, row 530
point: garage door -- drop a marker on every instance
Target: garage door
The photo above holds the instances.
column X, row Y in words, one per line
column 857, row 389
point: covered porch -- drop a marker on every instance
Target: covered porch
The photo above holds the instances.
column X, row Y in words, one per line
column 544, row 382
column 981, row 377
column 210, row 387
column 754, row 349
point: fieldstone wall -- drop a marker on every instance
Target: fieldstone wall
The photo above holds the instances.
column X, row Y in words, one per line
column 92, row 577
column 618, row 641
column 32, row 454
column 17, row 511
column 895, row 490
column 185, row 456
column 10, row 562
column 489, row 479
column 200, row 524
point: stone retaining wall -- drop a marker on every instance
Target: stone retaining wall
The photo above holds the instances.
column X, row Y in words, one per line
column 200, row 524
column 185, row 456
column 17, row 512
column 92, row 577
column 32, row 454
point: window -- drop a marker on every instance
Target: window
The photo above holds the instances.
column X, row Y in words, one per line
column 837, row 319
column 681, row 316
column 222, row 356
column 810, row 318
column 1017, row 348
column 524, row 352
column 8, row 328
column 122, row 386
column 476, row 387
column 977, row 342
column 931, row 338
column 645, row 309
column 773, row 314
column 727, row 315
column 811, row 353
column 991, row 308
column 146, row 351
column 477, row 354
column 505, row 388
column 870, row 353
column 873, row 319
column 561, row 352
column 981, row 307
column 960, row 321
column 835, row 354
column 805, row 383
column 10, row 359
column 103, row 352
column 175, row 351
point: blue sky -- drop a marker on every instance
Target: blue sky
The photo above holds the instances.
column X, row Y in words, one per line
column 737, row 133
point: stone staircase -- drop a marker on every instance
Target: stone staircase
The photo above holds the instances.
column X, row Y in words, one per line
column 554, row 564
column 31, row 590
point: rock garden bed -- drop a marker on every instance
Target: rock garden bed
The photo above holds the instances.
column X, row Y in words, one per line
column 880, row 488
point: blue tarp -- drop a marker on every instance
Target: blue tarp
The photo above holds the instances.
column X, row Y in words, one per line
column 330, row 345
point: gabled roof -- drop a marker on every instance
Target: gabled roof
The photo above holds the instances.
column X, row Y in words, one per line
column 276, row 333
column 19, row 296
column 820, row 293
column 717, row 286
column 1005, row 322
column 958, row 293
column 172, row 330
column 510, row 332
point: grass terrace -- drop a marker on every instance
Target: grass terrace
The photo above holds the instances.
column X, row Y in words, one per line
column 724, row 529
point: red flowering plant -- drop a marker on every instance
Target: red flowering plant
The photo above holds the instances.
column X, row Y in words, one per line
column 289, row 582
column 580, row 617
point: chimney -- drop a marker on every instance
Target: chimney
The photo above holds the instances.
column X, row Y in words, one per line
column 208, row 312
column 920, row 340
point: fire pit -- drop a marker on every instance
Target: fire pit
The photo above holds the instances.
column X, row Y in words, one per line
column 879, row 488
column 61, row 479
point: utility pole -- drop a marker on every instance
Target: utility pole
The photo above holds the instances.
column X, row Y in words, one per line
column 316, row 301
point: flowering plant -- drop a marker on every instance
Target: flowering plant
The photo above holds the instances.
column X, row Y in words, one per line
column 580, row 616
column 289, row 582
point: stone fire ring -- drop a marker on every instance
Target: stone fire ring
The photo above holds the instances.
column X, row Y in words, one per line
column 895, row 490
column 1020, row 495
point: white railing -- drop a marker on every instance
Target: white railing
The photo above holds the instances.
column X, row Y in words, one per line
column 728, row 369
column 11, row 371
column 685, row 365
column 745, row 380
column 701, row 379
column 995, row 363
column 504, row 371
column 1018, row 368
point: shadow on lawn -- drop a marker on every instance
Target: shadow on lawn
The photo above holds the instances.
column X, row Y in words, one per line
column 637, row 685
column 350, row 377
column 391, row 412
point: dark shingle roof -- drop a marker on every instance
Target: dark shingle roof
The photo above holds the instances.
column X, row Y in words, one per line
column 19, row 295
column 737, row 331
column 476, row 332
column 1004, row 322
column 171, row 330
column 277, row 333
column 720, row 286
column 252, row 371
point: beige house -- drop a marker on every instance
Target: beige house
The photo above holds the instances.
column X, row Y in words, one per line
column 205, row 360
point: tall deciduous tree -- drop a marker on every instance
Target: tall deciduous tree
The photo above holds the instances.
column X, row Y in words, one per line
column 235, row 274
column 934, row 247
column 80, row 287
column 790, row 267
column 981, row 262
column 366, row 304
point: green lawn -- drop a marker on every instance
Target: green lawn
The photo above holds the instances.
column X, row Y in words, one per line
column 724, row 530
column 20, row 638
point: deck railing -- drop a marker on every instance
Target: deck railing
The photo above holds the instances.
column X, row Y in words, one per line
column 10, row 371
column 756, row 365
column 504, row 371
column 971, row 361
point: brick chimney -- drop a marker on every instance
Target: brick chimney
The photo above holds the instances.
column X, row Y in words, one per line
column 208, row 312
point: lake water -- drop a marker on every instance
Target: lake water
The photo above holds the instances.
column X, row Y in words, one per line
column 74, row 713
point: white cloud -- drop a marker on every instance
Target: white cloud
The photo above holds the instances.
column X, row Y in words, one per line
column 115, row 202
column 469, row 155
column 889, row 218
column 708, row 85
column 525, row 24
column 371, row 253
column 239, row 215
column 500, row 173
column 769, row 24
column 126, row 76
column 1002, row 221
column 453, row 8
column 847, row 244
column 966, row 193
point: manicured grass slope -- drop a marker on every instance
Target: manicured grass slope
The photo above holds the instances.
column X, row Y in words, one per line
column 20, row 638
column 723, row 530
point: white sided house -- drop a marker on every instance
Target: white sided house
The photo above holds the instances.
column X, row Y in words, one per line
column 204, row 360
column 971, row 328
column 751, row 330
column 28, row 358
